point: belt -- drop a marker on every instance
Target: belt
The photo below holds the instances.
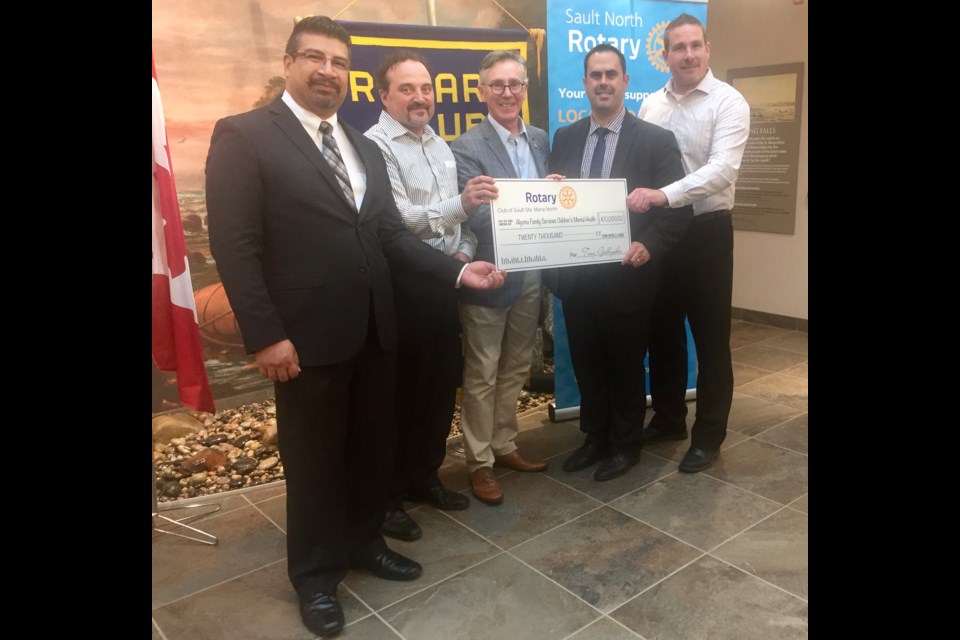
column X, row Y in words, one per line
column 710, row 215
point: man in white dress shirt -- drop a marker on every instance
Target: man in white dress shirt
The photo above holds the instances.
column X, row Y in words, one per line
column 423, row 178
column 712, row 122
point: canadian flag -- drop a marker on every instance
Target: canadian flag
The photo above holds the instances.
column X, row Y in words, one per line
column 176, row 334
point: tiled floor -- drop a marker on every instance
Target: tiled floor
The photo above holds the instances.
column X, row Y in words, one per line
column 655, row 554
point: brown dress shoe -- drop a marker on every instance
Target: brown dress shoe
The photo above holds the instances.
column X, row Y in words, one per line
column 485, row 487
column 517, row 462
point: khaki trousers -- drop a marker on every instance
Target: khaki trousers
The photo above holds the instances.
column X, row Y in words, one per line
column 497, row 351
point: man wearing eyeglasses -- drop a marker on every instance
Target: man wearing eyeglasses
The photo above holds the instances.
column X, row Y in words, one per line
column 423, row 178
column 498, row 329
column 306, row 236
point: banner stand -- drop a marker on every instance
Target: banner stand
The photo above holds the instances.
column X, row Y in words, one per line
column 182, row 522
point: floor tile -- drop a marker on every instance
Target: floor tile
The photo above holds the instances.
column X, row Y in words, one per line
column 276, row 509
column 698, row 509
column 272, row 490
column 775, row 550
column 710, row 600
column 765, row 357
column 605, row 557
column 531, row 505
column 792, row 434
column 445, row 548
column 604, row 629
column 674, row 450
column 550, row 439
column 750, row 332
column 370, row 628
column 648, row 469
column 258, row 606
column 793, row 341
column 155, row 634
column 779, row 388
column 799, row 371
column 736, row 343
column 751, row 416
column 800, row 504
column 764, row 469
column 501, row 598
column 177, row 509
column 247, row 541
column 744, row 373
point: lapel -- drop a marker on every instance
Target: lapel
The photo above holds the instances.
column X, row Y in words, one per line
column 628, row 133
column 495, row 144
column 287, row 122
column 359, row 144
column 577, row 142
column 539, row 153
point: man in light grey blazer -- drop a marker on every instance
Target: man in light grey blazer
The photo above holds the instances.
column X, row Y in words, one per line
column 498, row 327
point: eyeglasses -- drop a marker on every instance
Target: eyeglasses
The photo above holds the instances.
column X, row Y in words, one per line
column 515, row 87
column 320, row 60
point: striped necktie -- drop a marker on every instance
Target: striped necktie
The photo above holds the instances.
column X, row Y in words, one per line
column 332, row 153
column 596, row 163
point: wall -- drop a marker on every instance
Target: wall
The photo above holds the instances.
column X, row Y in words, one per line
column 769, row 269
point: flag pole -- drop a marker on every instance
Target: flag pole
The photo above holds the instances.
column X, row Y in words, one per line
column 176, row 334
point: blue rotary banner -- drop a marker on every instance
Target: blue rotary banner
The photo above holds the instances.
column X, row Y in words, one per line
column 453, row 55
column 636, row 28
column 633, row 26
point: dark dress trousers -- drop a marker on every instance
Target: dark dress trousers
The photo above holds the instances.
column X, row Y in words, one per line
column 298, row 263
column 607, row 306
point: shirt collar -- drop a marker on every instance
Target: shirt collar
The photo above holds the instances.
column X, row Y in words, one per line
column 708, row 84
column 308, row 119
column 395, row 130
column 613, row 126
column 504, row 133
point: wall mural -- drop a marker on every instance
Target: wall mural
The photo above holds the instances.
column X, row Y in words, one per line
column 215, row 59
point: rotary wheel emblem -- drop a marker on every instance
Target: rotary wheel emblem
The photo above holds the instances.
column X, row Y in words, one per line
column 567, row 197
column 655, row 47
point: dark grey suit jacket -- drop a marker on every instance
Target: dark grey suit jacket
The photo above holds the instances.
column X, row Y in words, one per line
column 296, row 261
column 480, row 151
column 647, row 156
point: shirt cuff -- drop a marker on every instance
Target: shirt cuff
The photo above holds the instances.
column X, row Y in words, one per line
column 674, row 193
column 465, row 265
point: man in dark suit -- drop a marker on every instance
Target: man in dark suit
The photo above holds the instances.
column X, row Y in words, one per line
column 499, row 327
column 607, row 306
column 302, row 226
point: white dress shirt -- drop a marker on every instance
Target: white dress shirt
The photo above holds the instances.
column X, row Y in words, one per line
column 311, row 123
column 712, row 124
column 423, row 176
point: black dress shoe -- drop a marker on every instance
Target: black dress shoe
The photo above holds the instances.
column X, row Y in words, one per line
column 591, row 452
column 321, row 613
column 698, row 459
column 440, row 497
column 390, row 565
column 616, row 464
column 652, row 435
column 401, row 526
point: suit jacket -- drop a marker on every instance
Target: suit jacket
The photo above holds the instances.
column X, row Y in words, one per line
column 296, row 261
column 647, row 156
column 480, row 151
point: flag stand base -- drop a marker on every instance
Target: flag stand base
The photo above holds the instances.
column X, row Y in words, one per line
column 182, row 522
column 205, row 510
